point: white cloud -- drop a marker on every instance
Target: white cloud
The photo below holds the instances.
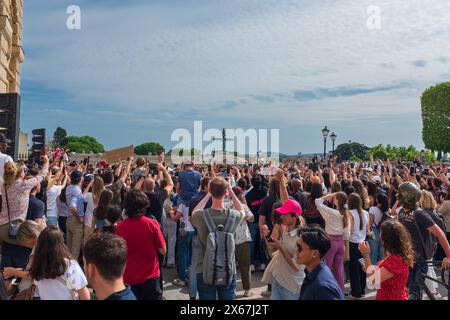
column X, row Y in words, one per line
column 159, row 59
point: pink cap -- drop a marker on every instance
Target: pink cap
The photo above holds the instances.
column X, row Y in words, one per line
column 290, row 206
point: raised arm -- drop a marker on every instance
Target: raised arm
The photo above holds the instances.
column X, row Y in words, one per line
column 201, row 205
column 237, row 205
column 126, row 172
column 167, row 177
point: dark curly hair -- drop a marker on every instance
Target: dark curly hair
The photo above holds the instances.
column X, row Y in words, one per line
column 396, row 240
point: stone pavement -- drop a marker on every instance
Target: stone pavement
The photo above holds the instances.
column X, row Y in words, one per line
column 173, row 292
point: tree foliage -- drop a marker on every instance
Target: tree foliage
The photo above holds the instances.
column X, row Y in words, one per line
column 351, row 151
column 60, row 138
column 84, row 144
column 436, row 117
column 380, row 152
column 184, row 152
column 149, row 147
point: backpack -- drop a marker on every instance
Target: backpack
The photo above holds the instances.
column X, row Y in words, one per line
column 429, row 245
column 311, row 209
column 438, row 220
column 219, row 257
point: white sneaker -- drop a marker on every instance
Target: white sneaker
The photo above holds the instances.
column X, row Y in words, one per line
column 262, row 267
column 179, row 282
column 252, row 268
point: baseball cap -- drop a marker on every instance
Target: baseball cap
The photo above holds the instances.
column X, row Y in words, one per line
column 3, row 138
column 88, row 178
column 290, row 206
column 103, row 163
column 75, row 175
column 377, row 179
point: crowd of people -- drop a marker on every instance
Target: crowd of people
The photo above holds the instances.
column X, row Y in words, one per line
column 76, row 231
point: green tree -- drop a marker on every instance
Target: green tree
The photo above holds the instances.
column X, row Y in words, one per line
column 436, row 118
column 149, row 147
column 60, row 137
column 84, row 144
column 353, row 150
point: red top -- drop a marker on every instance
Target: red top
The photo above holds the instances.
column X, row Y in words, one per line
column 144, row 237
column 395, row 287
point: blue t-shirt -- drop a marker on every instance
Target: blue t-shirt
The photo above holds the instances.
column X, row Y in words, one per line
column 320, row 284
column 125, row 294
column 189, row 184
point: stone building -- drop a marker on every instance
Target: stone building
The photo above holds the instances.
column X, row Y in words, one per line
column 11, row 52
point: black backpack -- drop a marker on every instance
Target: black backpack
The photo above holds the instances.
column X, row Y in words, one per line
column 438, row 220
column 430, row 245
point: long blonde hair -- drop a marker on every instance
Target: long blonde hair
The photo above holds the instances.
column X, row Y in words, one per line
column 11, row 173
column 427, row 200
column 97, row 187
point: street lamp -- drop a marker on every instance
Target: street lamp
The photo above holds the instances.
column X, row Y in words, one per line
column 325, row 133
column 333, row 138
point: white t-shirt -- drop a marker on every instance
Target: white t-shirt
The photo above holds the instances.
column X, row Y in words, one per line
column 90, row 207
column 377, row 215
column 184, row 210
column 4, row 158
column 52, row 206
column 358, row 235
column 55, row 289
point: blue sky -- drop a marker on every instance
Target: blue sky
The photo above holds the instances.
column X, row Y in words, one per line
column 137, row 70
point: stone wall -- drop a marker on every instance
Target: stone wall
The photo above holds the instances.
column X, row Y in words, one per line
column 11, row 52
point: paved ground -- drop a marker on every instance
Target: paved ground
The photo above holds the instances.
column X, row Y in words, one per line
column 173, row 292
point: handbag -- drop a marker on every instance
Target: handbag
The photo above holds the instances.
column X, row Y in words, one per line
column 12, row 230
column 27, row 294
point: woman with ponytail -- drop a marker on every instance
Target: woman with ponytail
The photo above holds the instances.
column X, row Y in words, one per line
column 359, row 226
column 337, row 226
column 16, row 195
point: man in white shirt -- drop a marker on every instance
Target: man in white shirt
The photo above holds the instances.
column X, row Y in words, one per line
column 4, row 158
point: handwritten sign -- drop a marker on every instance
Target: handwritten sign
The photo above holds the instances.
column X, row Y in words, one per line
column 119, row 154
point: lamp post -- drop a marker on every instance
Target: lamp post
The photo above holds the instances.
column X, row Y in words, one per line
column 333, row 139
column 325, row 133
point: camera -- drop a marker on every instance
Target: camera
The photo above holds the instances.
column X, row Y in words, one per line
column 152, row 168
column 12, row 232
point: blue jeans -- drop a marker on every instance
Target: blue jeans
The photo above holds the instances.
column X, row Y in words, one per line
column 210, row 292
column 184, row 254
column 376, row 253
column 193, row 267
column 52, row 221
column 281, row 293
column 416, row 281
